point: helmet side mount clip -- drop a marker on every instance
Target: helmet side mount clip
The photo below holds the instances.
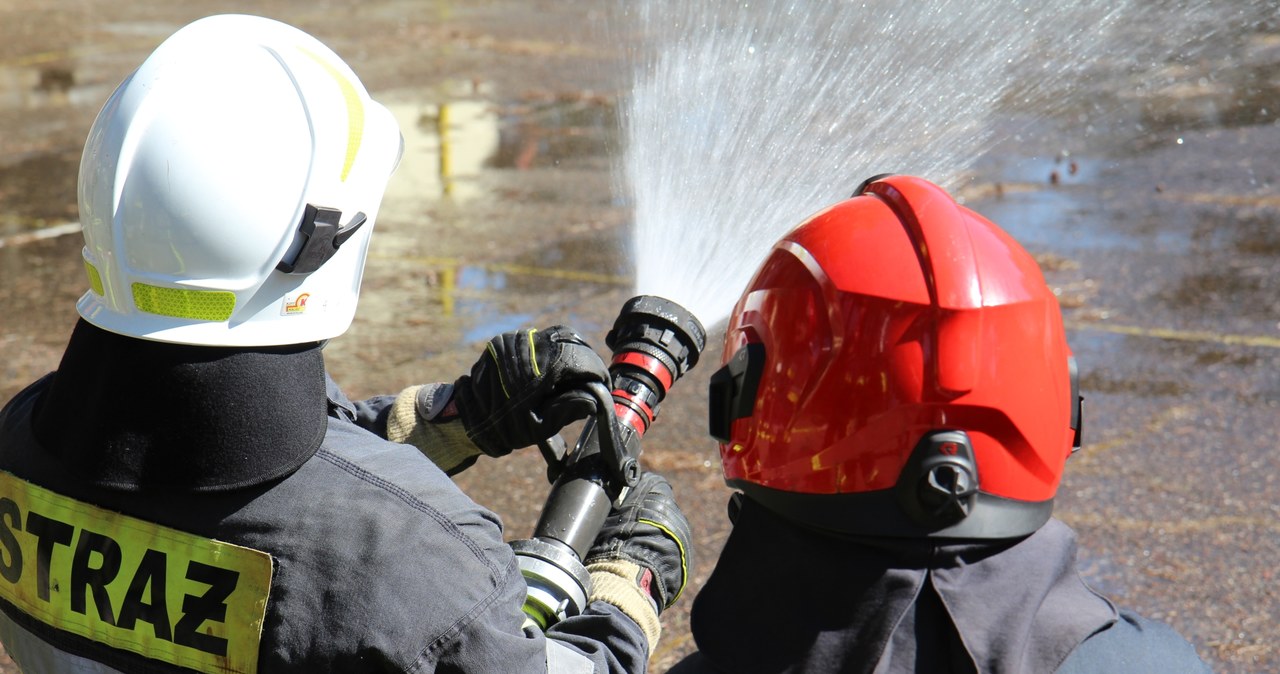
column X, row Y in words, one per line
column 733, row 388
column 322, row 236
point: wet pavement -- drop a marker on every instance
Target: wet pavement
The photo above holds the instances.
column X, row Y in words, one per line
column 1159, row 234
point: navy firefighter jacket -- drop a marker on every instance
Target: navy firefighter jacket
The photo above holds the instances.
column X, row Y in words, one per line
column 901, row 606
column 161, row 512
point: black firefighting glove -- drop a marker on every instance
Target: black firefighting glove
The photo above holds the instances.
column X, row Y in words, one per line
column 641, row 559
column 526, row 386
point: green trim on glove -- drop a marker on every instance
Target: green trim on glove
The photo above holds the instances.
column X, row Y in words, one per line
column 649, row 529
column 684, row 556
column 526, row 386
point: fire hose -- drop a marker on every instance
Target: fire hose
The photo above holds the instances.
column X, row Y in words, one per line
column 654, row 343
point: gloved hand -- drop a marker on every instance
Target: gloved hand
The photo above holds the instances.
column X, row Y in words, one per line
column 526, row 386
column 645, row 541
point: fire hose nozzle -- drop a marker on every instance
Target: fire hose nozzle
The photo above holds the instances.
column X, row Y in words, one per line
column 654, row 342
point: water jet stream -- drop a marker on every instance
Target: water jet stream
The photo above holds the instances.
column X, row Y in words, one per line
column 743, row 117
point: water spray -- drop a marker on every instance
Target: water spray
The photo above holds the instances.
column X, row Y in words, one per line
column 825, row 91
column 654, row 342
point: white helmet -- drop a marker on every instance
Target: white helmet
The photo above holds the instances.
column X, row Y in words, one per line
column 228, row 189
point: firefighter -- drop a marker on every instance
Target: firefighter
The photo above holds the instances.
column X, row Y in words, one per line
column 895, row 409
column 190, row 491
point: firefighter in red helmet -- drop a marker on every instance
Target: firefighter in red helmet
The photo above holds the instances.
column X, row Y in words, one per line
column 896, row 405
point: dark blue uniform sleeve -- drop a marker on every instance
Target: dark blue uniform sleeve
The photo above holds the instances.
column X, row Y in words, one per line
column 605, row 634
column 603, row 640
column 370, row 414
column 1135, row 645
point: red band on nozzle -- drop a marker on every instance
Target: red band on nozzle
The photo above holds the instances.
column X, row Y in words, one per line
column 647, row 363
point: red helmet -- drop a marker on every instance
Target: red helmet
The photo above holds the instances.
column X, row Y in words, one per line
column 898, row 366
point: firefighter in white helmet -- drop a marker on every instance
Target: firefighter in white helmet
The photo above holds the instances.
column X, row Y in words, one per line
column 189, row 490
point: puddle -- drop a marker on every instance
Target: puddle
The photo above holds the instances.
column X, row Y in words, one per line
column 1058, row 219
column 459, row 167
column 488, row 298
column 540, row 135
column 1065, row 168
column 446, row 148
column 1051, row 203
column 449, row 146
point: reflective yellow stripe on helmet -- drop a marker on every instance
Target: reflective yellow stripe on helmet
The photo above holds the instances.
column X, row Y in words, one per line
column 166, row 594
column 201, row 305
column 355, row 110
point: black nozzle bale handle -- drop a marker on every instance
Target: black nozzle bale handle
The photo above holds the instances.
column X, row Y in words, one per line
column 605, row 461
column 616, row 442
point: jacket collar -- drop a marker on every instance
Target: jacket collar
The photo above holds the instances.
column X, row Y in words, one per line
column 130, row 414
column 783, row 598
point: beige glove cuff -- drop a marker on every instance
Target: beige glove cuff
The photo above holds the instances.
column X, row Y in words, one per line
column 409, row 422
column 614, row 582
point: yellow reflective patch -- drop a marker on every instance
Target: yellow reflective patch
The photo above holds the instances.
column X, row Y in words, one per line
column 131, row 584
column 201, row 305
column 95, row 279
